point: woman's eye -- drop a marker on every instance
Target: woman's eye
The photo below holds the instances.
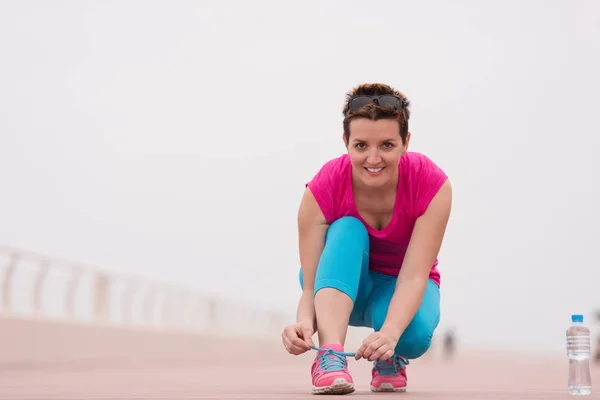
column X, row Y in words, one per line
column 360, row 145
column 388, row 145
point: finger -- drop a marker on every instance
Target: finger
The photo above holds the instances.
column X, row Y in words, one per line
column 360, row 353
column 296, row 338
column 387, row 355
column 291, row 330
column 372, row 348
column 293, row 349
column 307, row 336
column 368, row 345
column 381, row 353
column 291, row 338
column 286, row 343
column 291, row 334
column 300, row 343
column 294, row 335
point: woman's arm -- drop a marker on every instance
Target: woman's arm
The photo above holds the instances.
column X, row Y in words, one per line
column 424, row 246
column 312, row 228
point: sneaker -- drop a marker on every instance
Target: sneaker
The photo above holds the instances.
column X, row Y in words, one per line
column 330, row 371
column 389, row 375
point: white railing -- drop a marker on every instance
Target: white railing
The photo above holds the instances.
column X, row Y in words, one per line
column 35, row 286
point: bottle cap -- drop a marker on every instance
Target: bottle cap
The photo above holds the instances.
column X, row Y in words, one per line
column 577, row 318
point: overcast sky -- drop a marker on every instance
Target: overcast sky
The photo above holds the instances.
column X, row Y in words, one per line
column 173, row 140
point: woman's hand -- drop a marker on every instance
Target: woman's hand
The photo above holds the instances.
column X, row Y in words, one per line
column 378, row 345
column 297, row 338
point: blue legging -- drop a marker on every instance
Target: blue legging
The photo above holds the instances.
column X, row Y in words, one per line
column 344, row 265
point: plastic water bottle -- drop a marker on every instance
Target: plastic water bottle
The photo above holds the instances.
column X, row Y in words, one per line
column 578, row 350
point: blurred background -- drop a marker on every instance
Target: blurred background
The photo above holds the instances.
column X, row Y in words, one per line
column 153, row 155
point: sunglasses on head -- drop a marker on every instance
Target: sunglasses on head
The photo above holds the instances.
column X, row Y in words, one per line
column 384, row 100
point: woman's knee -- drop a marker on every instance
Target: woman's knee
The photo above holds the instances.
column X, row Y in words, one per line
column 346, row 248
column 348, row 229
column 416, row 339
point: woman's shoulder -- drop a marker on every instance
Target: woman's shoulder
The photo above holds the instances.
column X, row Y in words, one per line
column 328, row 185
column 415, row 158
column 334, row 169
column 423, row 178
column 415, row 163
column 337, row 163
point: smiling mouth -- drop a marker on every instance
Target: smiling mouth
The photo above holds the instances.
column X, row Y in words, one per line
column 374, row 170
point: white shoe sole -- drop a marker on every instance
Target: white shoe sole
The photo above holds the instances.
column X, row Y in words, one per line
column 387, row 387
column 339, row 386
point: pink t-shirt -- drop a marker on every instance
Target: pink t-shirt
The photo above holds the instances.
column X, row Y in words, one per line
column 418, row 181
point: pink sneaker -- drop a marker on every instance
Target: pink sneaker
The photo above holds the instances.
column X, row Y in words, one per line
column 389, row 375
column 330, row 371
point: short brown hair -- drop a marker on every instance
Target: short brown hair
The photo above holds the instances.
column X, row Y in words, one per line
column 375, row 112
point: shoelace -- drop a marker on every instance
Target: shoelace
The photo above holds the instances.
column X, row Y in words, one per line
column 338, row 362
column 335, row 363
column 391, row 366
column 401, row 361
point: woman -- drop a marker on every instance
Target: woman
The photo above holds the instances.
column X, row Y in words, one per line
column 370, row 224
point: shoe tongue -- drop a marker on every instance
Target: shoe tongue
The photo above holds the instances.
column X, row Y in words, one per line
column 333, row 346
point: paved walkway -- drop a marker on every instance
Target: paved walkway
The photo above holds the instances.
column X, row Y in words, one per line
column 200, row 368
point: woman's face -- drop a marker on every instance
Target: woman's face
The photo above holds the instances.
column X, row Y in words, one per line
column 375, row 148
